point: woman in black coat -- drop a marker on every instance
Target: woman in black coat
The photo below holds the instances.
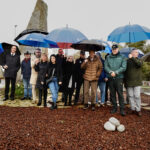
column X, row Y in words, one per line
column 54, row 72
column 69, row 79
column 41, row 68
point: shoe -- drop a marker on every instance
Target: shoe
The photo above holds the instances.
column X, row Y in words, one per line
column 53, row 106
column 39, row 104
column 139, row 113
column 12, row 98
column 65, row 104
column 70, row 104
column 5, row 99
column 23, row 98
column 122, row 112
column 30, row 98
column 114, row 110
column 86, row 106
column 102, row 104
column 93, row 107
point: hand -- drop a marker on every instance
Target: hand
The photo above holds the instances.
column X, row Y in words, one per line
column 130, row 55
column 113, row 74
column 60, row 83
column 86, row 60
column 42, row 83
column 105, row 79
column 37, row 61
column 46, row 75
column 5, row 67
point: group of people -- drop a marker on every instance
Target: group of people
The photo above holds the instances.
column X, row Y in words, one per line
column 65, row 74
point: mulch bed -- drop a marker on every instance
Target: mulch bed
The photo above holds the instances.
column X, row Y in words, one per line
column 70, row 129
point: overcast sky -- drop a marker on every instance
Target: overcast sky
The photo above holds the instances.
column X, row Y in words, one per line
column 94, row 18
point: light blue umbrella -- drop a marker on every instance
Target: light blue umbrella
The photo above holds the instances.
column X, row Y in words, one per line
column 65, row 37
column 129, row 34
column 126, row 52
column 36, row 40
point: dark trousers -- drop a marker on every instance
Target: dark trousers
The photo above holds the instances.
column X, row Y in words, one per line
column 106, row 92
column 9, row 81
column 43, row 92
column 78, row 87
column 68, row 92
column 116, row 86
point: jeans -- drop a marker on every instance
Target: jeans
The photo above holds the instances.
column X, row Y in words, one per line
column 27, row 88
column 53, row 86
column 134, row 97
column 102, row 87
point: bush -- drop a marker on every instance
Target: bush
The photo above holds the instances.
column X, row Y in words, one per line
column 146, row 71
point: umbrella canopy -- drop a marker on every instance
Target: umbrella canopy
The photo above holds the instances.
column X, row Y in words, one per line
column 88, row 45
column 126, row 52
column 1, row 49
column 6, row 50
column 36, row 40
column 30, row 31
column 129, row 34
column 65, row 37
column 107, row 47
column 146, row 57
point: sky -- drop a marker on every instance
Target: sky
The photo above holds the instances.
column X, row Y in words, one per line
column 96, row 19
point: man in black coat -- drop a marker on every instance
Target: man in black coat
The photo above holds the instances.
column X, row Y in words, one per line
column 11, row 66
column 79, row 75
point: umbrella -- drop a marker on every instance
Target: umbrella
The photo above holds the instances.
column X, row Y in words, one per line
column 88, row 45
column 129, row 34
column 107, row 47
column 126, row 52
column 146, row 57
column 65, row 37
column 36, row 40
column 30, row 31
column 6, row 50
column 1, row 49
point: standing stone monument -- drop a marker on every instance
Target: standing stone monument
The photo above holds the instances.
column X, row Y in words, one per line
column 38, row 21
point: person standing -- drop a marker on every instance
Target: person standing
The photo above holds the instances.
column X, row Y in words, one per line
column 69, row 80
column 11, row 66
column 93, row 69
column 34, row 74
column 115, row 66
column 79, row 76
column 133, row 81
column 26, row 73
column 41, row 68
column 54, row 72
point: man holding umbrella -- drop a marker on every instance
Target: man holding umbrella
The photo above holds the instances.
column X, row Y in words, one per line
column 11, row 66
column 93, row 69
column 115, row 66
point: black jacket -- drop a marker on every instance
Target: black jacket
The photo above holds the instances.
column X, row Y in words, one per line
column 26, row 69
column 41, row 68
column 68, row 72
column 13, row 63
column 79, row 72
column 58, row 71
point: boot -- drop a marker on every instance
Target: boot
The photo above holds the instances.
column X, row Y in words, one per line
column 122, row 112
column 54, row 106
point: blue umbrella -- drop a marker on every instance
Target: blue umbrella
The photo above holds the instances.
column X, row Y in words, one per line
column 36, row 40
column 107, row 47
column 1, row 49
column 129, row 34
column 65, row 37
column 126, row 52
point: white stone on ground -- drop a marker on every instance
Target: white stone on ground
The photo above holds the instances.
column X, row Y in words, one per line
column 114, row 121
column 121, row 128
column 109, row 126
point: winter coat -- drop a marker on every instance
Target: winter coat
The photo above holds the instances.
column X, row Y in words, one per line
column 13, row 63
column 133, row 74
column 116, row 63
column 57, row 73
column 41, row 68
column 79, row 72
column 93, row 69
column 68, row 72
column 26, row 68
column 34, row 74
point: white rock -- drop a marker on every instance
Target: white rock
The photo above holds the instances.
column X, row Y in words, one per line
column 114, row 121
column 109, row 126
column 121, row 128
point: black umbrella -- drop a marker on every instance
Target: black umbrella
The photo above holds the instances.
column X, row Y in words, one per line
column 28, row 31
column 146, row 57
column 87, row 45
column 7, row 48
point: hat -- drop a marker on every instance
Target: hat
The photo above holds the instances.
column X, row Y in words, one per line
column 27, row 53
column 114, row 46
column 38, row 49
column 82, row 52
